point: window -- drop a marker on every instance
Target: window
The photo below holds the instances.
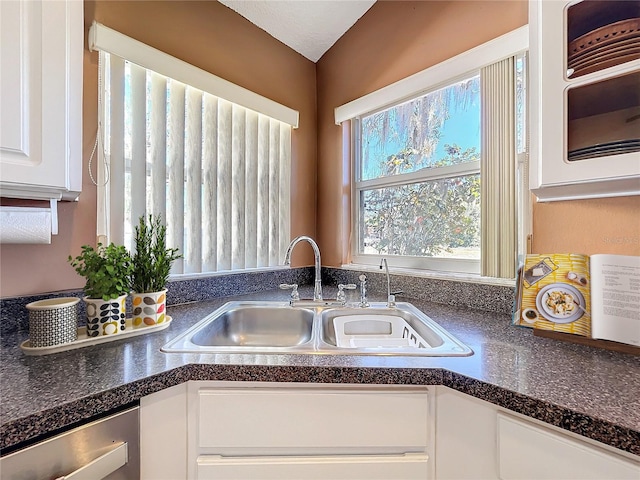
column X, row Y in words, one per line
column 440, row 162
column 216, row 170
column 418, row 176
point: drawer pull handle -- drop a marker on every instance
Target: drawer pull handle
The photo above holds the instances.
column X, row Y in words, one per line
column 102, row 466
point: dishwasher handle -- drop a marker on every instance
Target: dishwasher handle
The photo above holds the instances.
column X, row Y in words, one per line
column 101, row 467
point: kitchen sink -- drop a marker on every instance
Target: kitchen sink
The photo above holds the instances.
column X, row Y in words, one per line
column 318, row 328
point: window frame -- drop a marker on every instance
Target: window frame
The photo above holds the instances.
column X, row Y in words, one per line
column 423, row 175
column 110, row 42
column 438, row 76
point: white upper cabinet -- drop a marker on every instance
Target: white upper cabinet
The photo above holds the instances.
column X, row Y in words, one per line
column 585, row 98
column 41, row 96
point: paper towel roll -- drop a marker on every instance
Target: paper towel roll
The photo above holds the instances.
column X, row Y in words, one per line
column 25, row 225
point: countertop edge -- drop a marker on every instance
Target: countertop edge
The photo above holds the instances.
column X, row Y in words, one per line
column 32, row 428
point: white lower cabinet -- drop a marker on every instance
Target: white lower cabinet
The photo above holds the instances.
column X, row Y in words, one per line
column 307, row 432
column 478, row 440
column 256, row 430
column 163, row 434
column 528, row 451
column 465, row 445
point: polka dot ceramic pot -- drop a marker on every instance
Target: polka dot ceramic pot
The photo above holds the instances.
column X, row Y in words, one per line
column 105, row 317
column 149, row 309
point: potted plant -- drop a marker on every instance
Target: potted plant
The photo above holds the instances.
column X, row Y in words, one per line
column 152, row 262
column 107, row 272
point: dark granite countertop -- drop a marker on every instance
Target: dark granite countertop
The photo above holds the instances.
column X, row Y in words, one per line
column 592, row 392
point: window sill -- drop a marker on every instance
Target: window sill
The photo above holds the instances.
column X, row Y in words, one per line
column 225, row 273
column 450, row 276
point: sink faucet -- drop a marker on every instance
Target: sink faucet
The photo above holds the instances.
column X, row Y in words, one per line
column 391, row 297
column 317, row 288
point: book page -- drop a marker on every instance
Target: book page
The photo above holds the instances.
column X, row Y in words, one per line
column 615, row 298
column 554, row 293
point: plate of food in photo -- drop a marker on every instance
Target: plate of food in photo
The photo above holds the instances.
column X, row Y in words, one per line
column 560, row 303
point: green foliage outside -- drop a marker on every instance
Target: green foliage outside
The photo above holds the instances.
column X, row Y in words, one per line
column 425, row 219
column 152, row 259
column 106, row 270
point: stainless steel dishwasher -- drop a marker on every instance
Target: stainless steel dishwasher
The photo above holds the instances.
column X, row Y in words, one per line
column 105, row 449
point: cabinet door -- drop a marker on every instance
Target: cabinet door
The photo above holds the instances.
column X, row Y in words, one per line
column 301, row 421
column 400, row 467
column 163, row 434
column 41, row 96
column 527, row 451
column 465, row 427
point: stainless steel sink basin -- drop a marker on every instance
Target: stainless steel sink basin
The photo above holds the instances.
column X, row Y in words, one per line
column 257, row 326
column 369, row 327
column 277, row 327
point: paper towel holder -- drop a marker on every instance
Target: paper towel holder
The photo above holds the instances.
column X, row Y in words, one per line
column 24, row 224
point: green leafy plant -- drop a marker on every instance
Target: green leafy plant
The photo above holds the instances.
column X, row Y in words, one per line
column 152, row 259
column 107, row 270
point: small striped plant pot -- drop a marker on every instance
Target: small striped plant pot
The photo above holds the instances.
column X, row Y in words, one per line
column 106, row 317
column 149, row 308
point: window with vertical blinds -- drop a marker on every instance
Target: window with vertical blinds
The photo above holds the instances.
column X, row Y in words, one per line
column 440, row 160
column 217, row 173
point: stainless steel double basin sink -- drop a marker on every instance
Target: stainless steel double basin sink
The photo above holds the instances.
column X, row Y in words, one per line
column 322, row 328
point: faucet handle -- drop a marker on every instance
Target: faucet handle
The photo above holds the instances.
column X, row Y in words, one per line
column 341, row 297
column 295, row 296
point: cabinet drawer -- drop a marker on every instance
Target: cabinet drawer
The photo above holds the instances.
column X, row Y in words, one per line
column 400, row 467
column 527, row 451
column 297, row 419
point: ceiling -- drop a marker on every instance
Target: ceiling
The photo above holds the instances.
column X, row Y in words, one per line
column 310, row 27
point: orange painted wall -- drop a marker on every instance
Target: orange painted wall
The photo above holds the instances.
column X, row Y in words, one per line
column 216, row 39
column 395, row 39
column 607, row 225
column 392, row 40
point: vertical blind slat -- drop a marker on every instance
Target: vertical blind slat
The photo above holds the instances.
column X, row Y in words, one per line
column 102, row 187
column 158, row 146
column 193, row 183
column 175, row 165
column 274, row 190
column 251, row 191
column 138, row 139
column 237, row 188
column 210, row 185
column 116, row 151
column 263, row 191
column 285, row 188
column 224, row 184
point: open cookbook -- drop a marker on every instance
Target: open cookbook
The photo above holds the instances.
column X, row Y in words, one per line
column 595, row 296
